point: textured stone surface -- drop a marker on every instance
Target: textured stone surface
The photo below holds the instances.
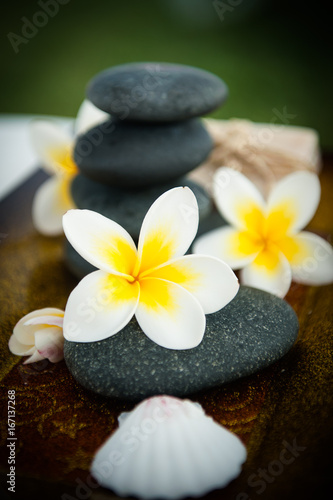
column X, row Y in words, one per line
column 141, row 154
column 156, row 91
column 250, row 333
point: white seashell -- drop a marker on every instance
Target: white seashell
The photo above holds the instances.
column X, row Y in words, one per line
column 168, row 448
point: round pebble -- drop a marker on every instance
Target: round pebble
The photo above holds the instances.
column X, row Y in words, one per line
column 254, row 330
column 134, row 155
column 156, row 92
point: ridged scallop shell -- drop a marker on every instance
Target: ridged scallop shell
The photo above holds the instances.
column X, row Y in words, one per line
column 168, row 448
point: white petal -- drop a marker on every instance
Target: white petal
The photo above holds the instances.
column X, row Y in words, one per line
column 101, row 241
column 48, row 138
column 313, row 263
column 88, row 117
column 51, row 320
column 24, row 331
column 34, row 357
column 18, row 348
column 235, row 196
column 23, row 340
column 210, row 280
column 299, row 195
column 47, row 320
column 169, row 315
column 271, row 273
column 50, row 343
column 99, row 307
column 169, row 228
column 233, row 246
column 51, row 201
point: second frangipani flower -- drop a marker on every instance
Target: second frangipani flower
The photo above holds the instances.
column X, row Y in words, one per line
column 53, row 145
column 169, row 293
column 264, row 239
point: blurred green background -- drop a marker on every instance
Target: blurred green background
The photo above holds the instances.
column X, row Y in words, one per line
column 275, row 56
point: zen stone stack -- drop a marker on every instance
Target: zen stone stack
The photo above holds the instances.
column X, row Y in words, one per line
column 153, row 139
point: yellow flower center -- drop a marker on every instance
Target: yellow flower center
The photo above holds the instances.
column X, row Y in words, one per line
column 157, row 251
column 266, row 235
column 63, row 161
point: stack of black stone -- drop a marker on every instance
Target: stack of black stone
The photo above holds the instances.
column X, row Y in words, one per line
column 151, row 141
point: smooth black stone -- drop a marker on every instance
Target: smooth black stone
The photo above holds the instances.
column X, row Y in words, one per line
column 214, row 220
column 75, row 263
column 128, row 207
column 251, row 332
column 157, row 92
column 128, row 154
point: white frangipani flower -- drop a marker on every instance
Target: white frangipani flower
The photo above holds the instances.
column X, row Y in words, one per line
column 39, row 335
column 54, row 147
column 169, row 293
column 264, row 238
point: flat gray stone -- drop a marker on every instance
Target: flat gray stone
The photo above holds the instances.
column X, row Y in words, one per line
column 135, row 155
column 253, row 331
column 156, row 91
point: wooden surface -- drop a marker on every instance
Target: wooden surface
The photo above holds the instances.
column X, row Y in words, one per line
column 283, row 414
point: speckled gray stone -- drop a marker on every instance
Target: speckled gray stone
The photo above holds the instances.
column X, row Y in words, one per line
column 156, row 91
column 250, row 333
column 135, row 155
